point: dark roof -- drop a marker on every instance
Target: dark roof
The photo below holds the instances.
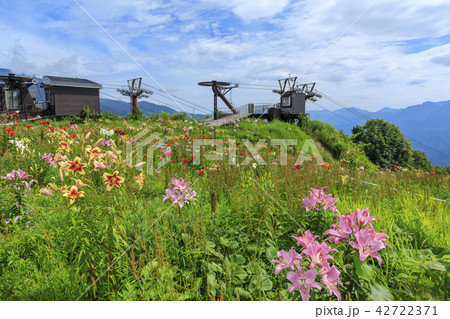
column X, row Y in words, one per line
column 69, row 82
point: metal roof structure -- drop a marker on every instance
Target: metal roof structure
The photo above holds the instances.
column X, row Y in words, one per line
column 69, row 82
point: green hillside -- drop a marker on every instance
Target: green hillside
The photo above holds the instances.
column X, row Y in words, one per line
column 213, row 222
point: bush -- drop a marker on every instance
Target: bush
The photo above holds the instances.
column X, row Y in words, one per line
column 303, row 119
column 420, row 161
column 111, row 116
column 384, row 143
column 87, row 114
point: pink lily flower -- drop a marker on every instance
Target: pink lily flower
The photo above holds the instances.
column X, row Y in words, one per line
column 310, row 203
column 363, row 217
column 190, row 196
column 175, row 197
column 328, row 202
column 351, row 220
column 49, row 159
column 368, row 243
column 318, row 252
column 179, row 184
column 331, row 281
column 305, row 239
column 287, row 260
column 340, row 232
column 21, row 174
column 303, row 281
column 28, row 184
column 317, row 193
column 166, row 151
column 10, row 176
column 181, row 193
column 324, row 267
column 106, row 142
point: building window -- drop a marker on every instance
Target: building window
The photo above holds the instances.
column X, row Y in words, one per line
column 48, row 97
column 12, row 98
column 286, row 101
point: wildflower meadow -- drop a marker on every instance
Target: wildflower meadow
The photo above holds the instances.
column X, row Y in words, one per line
column 168, row 208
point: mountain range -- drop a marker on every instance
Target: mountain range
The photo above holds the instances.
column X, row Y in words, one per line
column 426, row 125
column 123, row 108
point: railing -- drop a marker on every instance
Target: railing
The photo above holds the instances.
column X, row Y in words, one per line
column 255, row 108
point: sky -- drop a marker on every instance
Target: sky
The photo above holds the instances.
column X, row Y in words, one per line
column 396, row 55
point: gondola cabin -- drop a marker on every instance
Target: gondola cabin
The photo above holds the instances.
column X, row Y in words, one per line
column 16, row 97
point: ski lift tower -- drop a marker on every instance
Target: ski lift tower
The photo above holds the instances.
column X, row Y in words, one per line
column 220, row 89
column 134, row 92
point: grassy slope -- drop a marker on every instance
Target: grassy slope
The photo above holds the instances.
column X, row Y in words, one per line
column 221, row 247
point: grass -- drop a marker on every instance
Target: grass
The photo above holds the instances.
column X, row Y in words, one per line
column 126, row 244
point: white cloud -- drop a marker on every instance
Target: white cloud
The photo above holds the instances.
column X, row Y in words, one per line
column 381, row 61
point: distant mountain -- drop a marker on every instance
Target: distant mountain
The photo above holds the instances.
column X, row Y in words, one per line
column 123, row 108
column 4, row 72
column 426, row 125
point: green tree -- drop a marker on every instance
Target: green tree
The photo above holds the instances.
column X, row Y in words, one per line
column 384, row 143
column 420, row 161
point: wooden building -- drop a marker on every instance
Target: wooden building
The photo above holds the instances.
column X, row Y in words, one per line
column 68, row 96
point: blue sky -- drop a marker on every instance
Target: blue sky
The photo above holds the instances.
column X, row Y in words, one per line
column 397, row 55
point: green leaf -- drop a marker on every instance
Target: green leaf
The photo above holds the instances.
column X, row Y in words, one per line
column 380, row 293
column 363, row 270
column 443, row 255
column 252, row 247
column 242, row 293
column 238, row 259
column 434, row 265
column 210, row 245
column 271, row 252
column 262, row 282
column 224, row 241
column 233, row 245
column 213, row 267
column 266, row 284
column 212, row 283
column 241, row 273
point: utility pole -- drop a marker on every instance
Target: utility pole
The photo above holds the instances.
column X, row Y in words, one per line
column 134, row 92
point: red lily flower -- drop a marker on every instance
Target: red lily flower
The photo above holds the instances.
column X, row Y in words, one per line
column 200, row 172
column 76, row 166
column 73, row 194
column 11, row 131
column 112, row 180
